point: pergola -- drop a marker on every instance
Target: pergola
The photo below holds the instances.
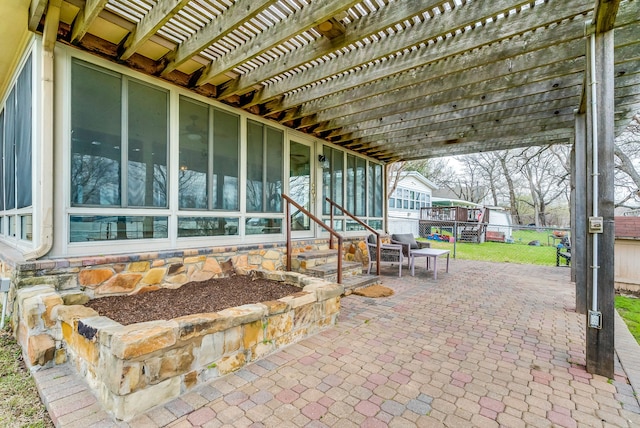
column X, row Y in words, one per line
column 402, row 80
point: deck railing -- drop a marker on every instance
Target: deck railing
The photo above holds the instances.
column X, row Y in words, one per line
column 329, row 229
column 366, row 226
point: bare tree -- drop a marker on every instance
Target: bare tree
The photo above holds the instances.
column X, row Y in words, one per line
column 627, row 176
column 544, row 172
column 470, row 184
column 438, row 170
column 506, row 160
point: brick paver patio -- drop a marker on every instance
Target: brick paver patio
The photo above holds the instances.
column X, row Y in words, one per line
column 486, row 345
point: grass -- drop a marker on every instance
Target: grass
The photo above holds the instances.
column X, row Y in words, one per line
column 20, row 405
column 629, row 310
column 517, row 252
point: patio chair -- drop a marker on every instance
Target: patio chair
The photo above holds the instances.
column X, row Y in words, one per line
column 390, row 254
column 408, row 243
column 563, row 251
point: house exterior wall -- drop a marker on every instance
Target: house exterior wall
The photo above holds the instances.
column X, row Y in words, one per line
column 627, row 270
column 413, row 192
column 627, row 254
column 98, row 217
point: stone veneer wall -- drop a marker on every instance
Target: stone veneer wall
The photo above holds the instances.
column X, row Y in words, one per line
column 136, row 367
column 132, row 273
column 133, row 368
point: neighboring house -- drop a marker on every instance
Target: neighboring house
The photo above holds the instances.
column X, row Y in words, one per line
column 627, row 254
column 414, row 191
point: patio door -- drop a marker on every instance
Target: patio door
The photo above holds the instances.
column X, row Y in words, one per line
column 302, row 186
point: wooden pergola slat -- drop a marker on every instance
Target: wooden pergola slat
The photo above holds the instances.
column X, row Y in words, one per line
column 461, row 17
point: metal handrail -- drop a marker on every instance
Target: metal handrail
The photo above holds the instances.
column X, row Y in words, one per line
column 369, row 228
column 331, row 231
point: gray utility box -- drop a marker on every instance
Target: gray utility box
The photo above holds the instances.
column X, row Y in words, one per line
column 5, row 283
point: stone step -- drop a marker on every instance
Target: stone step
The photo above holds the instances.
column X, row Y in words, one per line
column 311, row 259
column 329, row 271
column 352, row 283
column 317, row 254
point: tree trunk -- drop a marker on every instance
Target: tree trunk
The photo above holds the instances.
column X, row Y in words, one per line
column 512, row 193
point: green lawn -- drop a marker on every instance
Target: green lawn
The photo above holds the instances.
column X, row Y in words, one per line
column 518, row 252
column 629, row 309
column 20, row 405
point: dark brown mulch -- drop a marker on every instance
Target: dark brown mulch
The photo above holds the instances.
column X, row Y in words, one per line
column 192, row 298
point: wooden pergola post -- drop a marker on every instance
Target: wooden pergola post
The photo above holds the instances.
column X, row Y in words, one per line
column 600, row 275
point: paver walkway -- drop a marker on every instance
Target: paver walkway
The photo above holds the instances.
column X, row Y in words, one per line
column 486, row 345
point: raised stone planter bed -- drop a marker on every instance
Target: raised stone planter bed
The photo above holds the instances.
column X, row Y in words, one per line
column 133, row 368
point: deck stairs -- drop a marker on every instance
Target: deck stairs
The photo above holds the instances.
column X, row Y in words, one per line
column 324, row 264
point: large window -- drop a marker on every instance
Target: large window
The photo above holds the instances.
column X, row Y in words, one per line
column 116, row 122
column 332, row 181
column 264, row 168
column 361, row 194
column 356, row 185
column 375, row 190
column 209, row 157
column 409, row 200
column 16, row 152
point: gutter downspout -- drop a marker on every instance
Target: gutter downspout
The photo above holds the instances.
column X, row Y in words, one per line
column 50, row 32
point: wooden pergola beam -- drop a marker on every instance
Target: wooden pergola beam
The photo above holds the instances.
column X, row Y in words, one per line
column 85, row 18
column 466, row 16
column 36, row 11
column 159, row 15
column 482, row 82
column 284, row 30
column 237, row 14
column 365, row 27
column 605, row 12
column 409, row 69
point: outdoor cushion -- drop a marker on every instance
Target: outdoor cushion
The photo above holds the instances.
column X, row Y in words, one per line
column 405, row 239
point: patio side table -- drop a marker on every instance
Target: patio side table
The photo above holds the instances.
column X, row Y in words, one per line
column 428, row 253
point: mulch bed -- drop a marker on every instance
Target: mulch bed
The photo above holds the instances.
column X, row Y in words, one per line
column 192, row 298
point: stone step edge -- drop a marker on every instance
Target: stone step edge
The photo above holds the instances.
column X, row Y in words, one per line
column 332, row 268
column 318, row 254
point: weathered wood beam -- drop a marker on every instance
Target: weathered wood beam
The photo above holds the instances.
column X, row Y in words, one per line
column 429, row 128
column 236, row 15
column 413, row 68
column 462, row 134
column 444, row 148
column 155, row 19
column 356, row 31
column 626, row 15
column 605, row 12
column 36, row 10
column 456, row 106
column 85, row 18
column 284, row 30
column 600, row 340
column 459, row 18
column 366, row 96
column 498, row 111
column 477, row 82
column 487, row 146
